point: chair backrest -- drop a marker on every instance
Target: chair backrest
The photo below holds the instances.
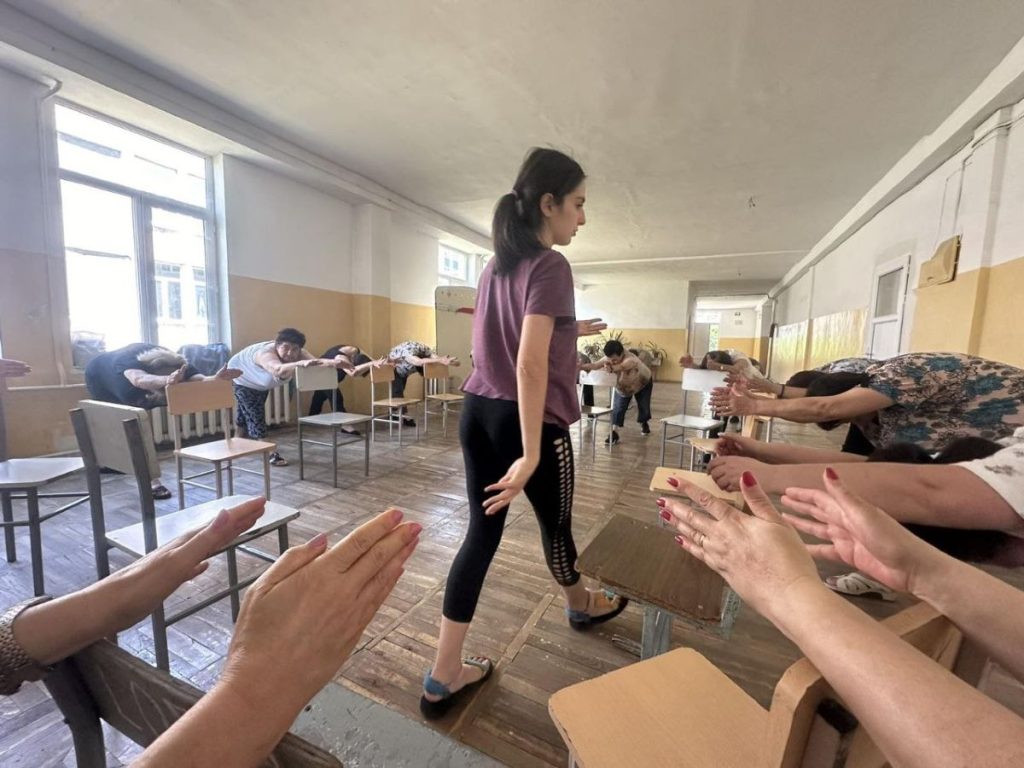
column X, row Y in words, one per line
column 105, row 433
column 104, row 682
column 316, row 377
column 599, row 378
column 382, row 374
column 435, row 379
column 802, row 690
column 699, row 380
column 197, row 396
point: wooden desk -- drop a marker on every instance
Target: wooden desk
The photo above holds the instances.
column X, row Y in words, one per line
column 660, row 484
column 642, row 561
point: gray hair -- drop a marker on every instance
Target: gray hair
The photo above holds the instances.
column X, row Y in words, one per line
column 160, row 357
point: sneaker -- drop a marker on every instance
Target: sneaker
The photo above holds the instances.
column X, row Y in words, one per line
column 277, row 460
column 612, row 439
column 407, row 422
column 645, row 429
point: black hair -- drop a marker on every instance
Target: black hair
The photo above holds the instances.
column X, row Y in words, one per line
column 613, row 347
column 971, row 545
column 291, row 336
column 831, row 384
column 517, row 217
column 719, row 356
column 801, row 379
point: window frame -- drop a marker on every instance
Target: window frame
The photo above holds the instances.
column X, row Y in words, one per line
column 143, row 204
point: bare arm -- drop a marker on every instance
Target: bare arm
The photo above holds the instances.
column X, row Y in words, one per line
column 269, row 361
column 855, row 402
column 148, row 381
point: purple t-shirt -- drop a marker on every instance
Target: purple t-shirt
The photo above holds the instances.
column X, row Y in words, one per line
column 541, row 285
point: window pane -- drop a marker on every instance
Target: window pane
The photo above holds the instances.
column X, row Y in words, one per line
column 887, row 297
column 179, row 253
column 101, row 269
column 103, row 150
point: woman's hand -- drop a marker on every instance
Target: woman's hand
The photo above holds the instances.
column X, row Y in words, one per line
column 759, row 555
column 177, row 376
column 312, row 362
column 859, row 534
column 304, row 615
column 726, row 471
column 13, row 368
column 733, row 401
column 228, row 374
column 590, row 327
column 510, row 485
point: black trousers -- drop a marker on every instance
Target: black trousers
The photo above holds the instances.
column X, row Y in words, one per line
column 643, row 405
column 491, row 441
column 322, row 396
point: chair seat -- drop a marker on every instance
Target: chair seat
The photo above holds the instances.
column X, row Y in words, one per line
column 676, row 710
column 395, row 402
column 28, row 473
column 594, row 410
column 169, row 527
column 693, row 422
column 222, row 450
column 660, row 484
column 335, row 419
column 705, row 444
column 446, row 398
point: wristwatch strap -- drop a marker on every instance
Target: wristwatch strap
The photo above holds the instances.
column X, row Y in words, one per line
column 16, row 666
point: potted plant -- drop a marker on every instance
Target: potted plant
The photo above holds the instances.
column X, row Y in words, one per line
column 658, row 354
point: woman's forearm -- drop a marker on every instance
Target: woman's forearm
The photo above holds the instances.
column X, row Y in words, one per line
column 785, row 453
column 803, row 410
column 531, row 390
column 918, row 713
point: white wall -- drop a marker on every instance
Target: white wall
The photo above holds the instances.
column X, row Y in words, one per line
column 22, row 225
column 413, row 264
column 636, row 302
column 280, row 230
column 737, row 324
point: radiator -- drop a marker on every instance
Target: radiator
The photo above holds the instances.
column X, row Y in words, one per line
column 278, row 411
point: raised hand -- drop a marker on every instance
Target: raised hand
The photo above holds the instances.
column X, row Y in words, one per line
column 590, row 327
column 727, row 471
column 13, row 368
column 759, row 554
column 304, row 615
column 178, row 375
column 510, row 486
column 686, row 361
column 228, row 373
column 732, row 401
column 859, row 534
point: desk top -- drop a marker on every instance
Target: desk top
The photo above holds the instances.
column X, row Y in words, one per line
column 31, row 473
column 642, row 561
column 659, row 484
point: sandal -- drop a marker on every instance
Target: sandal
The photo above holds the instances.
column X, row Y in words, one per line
column 432, row 710
column 160, row 492
column 858, row 585
column 581, row 620
column 278, row 460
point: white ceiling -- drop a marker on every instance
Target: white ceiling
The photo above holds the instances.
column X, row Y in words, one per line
column 707, row 128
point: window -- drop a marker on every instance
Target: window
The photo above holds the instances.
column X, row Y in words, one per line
column 452, row 264
column 138, row 237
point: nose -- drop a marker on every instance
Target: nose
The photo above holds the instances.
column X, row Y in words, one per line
column 582, row 219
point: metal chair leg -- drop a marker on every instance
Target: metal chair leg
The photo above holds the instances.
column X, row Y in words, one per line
column 236, row 603
column 302, row 467
column 334, row 456
column 266, row 475
column 35, row 541
column 163, row 660
column 8, row 512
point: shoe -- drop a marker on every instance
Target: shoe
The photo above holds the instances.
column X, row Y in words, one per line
column 612, row 439
column 581, row 620
column 432, row 710
column 160, row 493
column 278, row 460
column 407, row 422
column 645, row 429
column 858, row 585
column 350, row 431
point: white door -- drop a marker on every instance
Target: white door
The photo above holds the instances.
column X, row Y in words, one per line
column 885, row 323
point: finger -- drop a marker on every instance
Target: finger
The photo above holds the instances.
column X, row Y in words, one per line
column 813, row 503
column 846, row 499
column 495, row 504
column 382, row 553
column 345, row 553
column 824, row 552
column 715, row 507
column 691, row 547
column 810, row 527
column 292, row 560
column 200, row 567
column 683, row 516
column 226, row 526
column 501, row 485
column 757, row 499
column 380, row 585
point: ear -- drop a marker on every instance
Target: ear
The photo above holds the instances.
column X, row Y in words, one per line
column 547, row 204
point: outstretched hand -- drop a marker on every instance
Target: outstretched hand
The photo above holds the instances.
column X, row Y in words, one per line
column 590, row 327
column 13, row 368
column 178, row 376
column 228, row 374
column 859, row 534
column 759, row 554
column 733, row 401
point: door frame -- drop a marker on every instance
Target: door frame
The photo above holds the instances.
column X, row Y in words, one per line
column 885, row 268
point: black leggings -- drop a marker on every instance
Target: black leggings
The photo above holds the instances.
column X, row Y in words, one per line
column 491, row 441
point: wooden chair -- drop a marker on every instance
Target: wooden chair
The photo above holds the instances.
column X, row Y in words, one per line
column 385, row 374
column 679, row 710
column 111, row 435
column 435, row 389
column 595, row 413
column 751, row 427
column 104, row 682
column 198, row 397
column 694, row 380
column 322, row 377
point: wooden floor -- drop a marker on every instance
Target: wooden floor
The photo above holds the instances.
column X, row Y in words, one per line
column 520, row 620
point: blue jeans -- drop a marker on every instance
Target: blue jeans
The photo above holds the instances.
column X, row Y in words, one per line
column 643, row 405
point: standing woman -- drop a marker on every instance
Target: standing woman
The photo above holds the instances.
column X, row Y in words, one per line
column 520, row 401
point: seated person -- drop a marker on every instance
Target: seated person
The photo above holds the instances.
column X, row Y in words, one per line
column 633, row 379
column 299, row 621
column 138, row 375
column 927, row 398
column 359, row 364
column 917, row 713
column 409, row 357
column 264, row 366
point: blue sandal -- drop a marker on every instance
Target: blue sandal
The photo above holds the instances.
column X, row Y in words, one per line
column 432, row 710
column 581, row 620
